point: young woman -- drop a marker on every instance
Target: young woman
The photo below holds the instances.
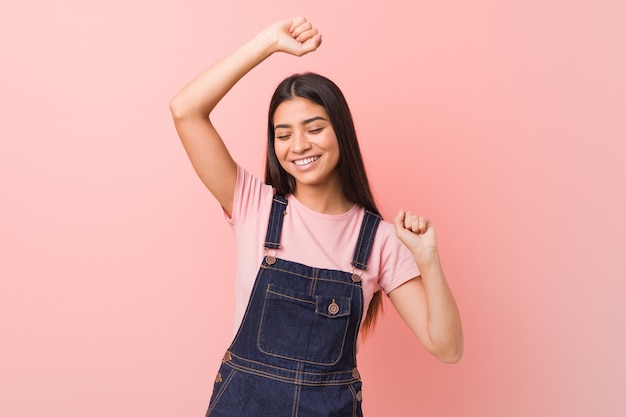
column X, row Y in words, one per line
column 312, row 250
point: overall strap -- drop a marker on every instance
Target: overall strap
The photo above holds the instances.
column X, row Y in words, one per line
column 275, row 225
column 369, row 225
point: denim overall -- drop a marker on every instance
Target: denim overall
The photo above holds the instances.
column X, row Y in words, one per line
column 294, row 354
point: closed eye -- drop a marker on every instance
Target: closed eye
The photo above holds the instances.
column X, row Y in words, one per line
column 317, row 130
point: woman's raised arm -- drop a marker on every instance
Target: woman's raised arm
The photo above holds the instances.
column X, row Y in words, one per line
column 191, row 107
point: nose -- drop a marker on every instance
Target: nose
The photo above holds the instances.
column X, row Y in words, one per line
column 300, row 142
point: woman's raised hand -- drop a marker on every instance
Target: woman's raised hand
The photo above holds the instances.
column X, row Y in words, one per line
column 417, row 233
column 295, row 36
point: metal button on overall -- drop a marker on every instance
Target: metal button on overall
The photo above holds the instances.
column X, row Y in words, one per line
column 333, row 308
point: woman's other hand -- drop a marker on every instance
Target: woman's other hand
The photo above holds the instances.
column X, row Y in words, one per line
column 417, row 233
column 295, row 36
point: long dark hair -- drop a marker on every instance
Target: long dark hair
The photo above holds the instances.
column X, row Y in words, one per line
column 354, row 184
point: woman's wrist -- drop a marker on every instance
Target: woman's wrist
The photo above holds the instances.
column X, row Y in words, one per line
column 265, row 43
column 427, row 258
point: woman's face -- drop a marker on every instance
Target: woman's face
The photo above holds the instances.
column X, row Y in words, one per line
column 305, row 143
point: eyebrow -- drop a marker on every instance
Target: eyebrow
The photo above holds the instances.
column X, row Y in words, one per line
column 304, row 122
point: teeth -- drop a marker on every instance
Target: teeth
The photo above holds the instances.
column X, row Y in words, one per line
column 305, row 161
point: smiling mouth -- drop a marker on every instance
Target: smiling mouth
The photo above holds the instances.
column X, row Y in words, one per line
column 306, row 161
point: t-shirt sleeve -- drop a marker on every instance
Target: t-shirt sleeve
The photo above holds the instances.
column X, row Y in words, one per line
column 250, row 193
column 397, row 264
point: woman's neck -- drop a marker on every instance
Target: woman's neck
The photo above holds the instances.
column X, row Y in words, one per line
column 325, row 200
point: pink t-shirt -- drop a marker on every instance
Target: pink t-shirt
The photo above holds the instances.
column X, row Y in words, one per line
column 310, row 238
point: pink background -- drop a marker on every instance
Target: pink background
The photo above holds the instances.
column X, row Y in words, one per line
column 502, row 121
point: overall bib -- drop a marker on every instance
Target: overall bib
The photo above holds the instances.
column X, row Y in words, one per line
column 294, row 354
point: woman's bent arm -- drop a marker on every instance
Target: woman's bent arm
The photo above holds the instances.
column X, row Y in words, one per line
column 426, row 303
column 191, row 107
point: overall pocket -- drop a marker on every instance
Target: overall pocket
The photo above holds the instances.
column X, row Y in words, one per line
column 303, row 327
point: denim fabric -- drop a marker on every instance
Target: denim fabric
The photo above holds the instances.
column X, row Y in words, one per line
column 295, row 351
